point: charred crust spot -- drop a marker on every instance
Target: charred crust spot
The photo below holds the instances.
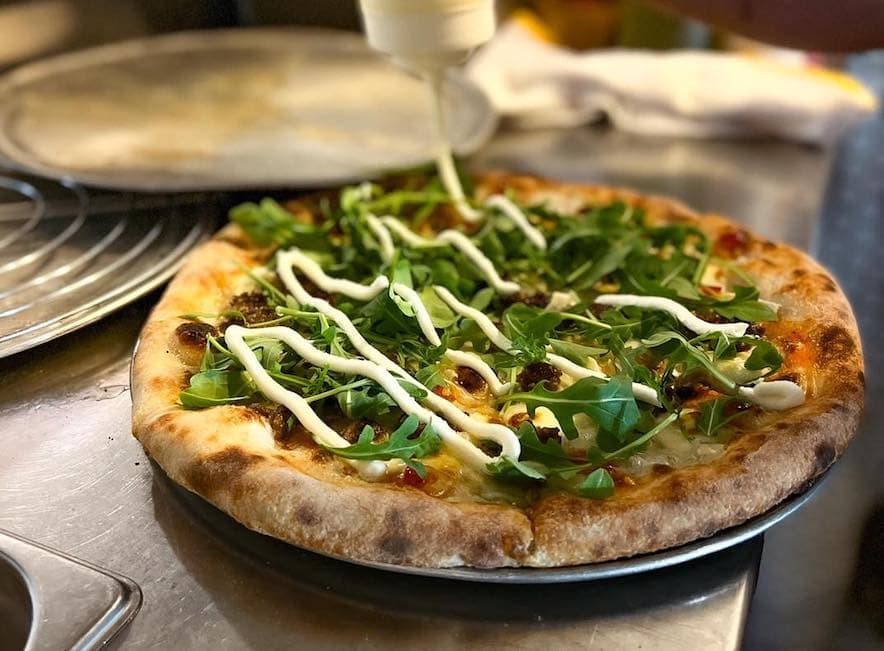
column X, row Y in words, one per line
column 756, row 439
column 826, row 283
column 481, row 549
column 732, row 243
column 195, row 334
column 660, row 469
column 537, row 372
column 799, row 273
column 469, row 379
column 219, row 470
column 835, row 343
column 783, row 426
column 675, row 489
column 738, row 458
column 306, row 515
column 395, row 546
column 824, row 456
column 394, row 542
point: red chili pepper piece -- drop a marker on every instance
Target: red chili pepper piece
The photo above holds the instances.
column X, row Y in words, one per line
column 732, row 243
column 411, row 478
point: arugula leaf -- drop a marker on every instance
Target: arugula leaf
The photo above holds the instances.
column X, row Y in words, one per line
column 218, row 387
column 514, row 469
column 713, row 415
column 268, row 223
column 598, row 485
column 633, row 446
column 577, row 353
column 679, row 351
column 441, row 315
column 764, row 356
column 399, row 445
column 538, row 458
column 482, row 299
column 744, row 306
column 365, row 402
column 609, row 403
column 549, row 453
column 529, row 328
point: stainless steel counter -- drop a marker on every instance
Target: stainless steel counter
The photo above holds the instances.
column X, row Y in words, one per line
column 73, row 478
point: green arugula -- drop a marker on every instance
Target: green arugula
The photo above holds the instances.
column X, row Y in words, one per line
column 268, row 223
column 214, row 387
column 529, row 329
column 399, row 445
column 609, row 403
column 714, row 415
column 598, row 485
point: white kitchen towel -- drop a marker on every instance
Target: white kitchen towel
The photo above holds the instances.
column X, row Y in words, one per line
column 681, row 93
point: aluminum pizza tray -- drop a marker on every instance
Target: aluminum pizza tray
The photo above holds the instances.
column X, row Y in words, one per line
column 295, row 561
column 229, row 109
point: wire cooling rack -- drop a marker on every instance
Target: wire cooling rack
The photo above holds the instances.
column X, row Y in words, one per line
column 69, row 256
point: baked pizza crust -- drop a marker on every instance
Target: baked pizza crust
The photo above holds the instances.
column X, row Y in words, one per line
column 228, row 454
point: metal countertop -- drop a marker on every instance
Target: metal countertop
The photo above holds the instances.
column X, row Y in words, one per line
column 72, row 477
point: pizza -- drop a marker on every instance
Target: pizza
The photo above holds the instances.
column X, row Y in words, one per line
column 561, row 375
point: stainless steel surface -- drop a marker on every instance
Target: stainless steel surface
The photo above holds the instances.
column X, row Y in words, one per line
column 63, row 603
column 68, row 258
column 228, row 110
column 72, row 476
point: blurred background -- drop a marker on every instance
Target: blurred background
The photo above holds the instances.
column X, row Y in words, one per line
column 33, row 28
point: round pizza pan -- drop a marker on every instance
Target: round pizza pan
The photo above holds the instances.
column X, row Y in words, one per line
column 292, row 560
column 228, row 109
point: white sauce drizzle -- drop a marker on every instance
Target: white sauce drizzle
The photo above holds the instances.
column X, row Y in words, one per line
column 383, row 235
column 463, row 244
column 500, row 434
column 776, row 395
column 420, row 312
column 473, row 361
column 463, row 448
column 407, row 235
column 485, row 324
column 641, row 392
column 679, row 311
column 444, row 159
column 511, row 211
column 332, row 285
column 233, row 336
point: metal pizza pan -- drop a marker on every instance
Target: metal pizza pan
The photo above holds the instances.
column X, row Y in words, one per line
column 292, row 560
column 229, row 109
